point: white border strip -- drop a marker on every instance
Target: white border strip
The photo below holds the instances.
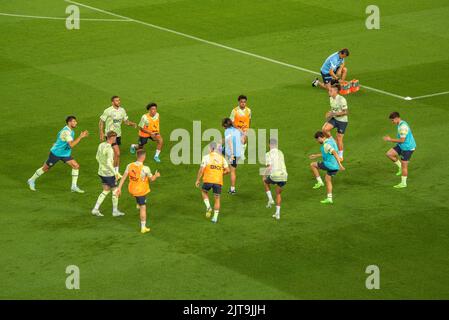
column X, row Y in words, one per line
column 58, row 18
column 431, row 95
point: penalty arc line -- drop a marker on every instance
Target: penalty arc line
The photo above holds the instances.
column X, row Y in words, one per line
column 216, row 44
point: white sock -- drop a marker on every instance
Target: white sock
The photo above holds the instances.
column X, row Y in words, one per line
column 403, row 180
column 270, row 197
column 135, row 146
column 116, row 169
column 399, row 164
column 329, row 196
column 114, row 202
column 75, row 173
column 101, row 198
column 207, row 203
column 216, row 212
column 340, row 153
column 278, row 210
column 37, row 174
column 232, row 188
column 143, row 224
column 319, row 179
column 158, row 152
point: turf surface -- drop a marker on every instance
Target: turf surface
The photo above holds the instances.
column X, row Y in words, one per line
column 48, row 72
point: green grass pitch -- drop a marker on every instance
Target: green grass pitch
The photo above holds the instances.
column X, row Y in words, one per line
column 48, row 72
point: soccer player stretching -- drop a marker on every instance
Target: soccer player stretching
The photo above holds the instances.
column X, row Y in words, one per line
column 111, row 120
column 233, row 149
column 275, row 173
column 213, row 167
column 333, row 69
column 404, row 148
column 241, row 119
column 139, row 185
column 331, row 164
column 337, row 117
column 62, row 150
column 107, row 174
column 149, row 129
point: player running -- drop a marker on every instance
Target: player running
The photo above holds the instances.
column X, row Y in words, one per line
column 233, row 149
column 275, row 173
column 404, row 148
column 213, row 167
column 139, row 185
column 337, row 117
column 111, row 120
column 331, row 164
column 62, row 150
column 241, row 119
column 149, row 129
column 333, row 69
column 107, row 174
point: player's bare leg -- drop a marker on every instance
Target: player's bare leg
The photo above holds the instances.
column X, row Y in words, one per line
column 327, row 127
column 160, row 143
column 328, row 200
column 216, row 208
column 341, row 73
column 116, row 149
column 316, row 173
column 268, row 192
column 393, row 156
column 277, row 214
column 233, row 175
column 75, row 173
column 207, row 203
column 340, row 137
column 100, row 199
column 143, row 219
column 404, row 175
column 32, row 181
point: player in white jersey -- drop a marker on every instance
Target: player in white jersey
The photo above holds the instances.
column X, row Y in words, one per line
column 337, row 117
column 107, row 174
column 111, row 120
column 275, row 173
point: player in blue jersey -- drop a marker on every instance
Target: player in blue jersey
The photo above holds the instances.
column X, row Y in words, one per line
column 62, row 150
column 405, row 146
column 331, row 164
column 333, row 70
column 233, row 149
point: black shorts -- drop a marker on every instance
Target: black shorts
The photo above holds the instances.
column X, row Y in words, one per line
column 405, row 154
column 142, row 200
column 234, row 162
column 144, row 140
column 268, row 180
column 327, row 78
column 216, row 188
column 339, row 125
column 118, row 141
column 330, row 172
column 52, row 159
column 108, row 181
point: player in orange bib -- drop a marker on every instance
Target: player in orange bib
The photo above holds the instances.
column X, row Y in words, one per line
column 149, row 129
column 139, row 185
column 213, row 167
column 241, row 119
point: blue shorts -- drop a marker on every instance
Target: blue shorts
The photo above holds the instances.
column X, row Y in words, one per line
column 216, row 188
column 405, row 154
column 142, row 200
column 118, row 141
column 339, row 125
column 53, row 159
column 330, row 172
column 108, row 181
column 327, row 78
column 268, row 180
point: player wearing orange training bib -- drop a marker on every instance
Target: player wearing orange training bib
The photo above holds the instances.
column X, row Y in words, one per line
column 241, row 119
column 213, row 167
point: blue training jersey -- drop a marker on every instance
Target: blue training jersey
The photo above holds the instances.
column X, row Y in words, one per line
column 328, row 158
column 332, row 62
column 404, row 131
column 61, row 148
column 235, row 136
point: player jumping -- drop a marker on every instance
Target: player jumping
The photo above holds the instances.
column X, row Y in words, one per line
column 404, row 148
column 331, row 164
column 213, row 167
column 149, row 129
column 241, row 119
column 62, row 150
column 333, row 69
column 275, row 173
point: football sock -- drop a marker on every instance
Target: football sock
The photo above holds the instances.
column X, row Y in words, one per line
column 158, row 152
column 398, row 163
column 232, row 188
column 37, row 174
column 319, row 179
column 114, row 202
column 216, row 212
column 270, row 197
column 404, row 180
column 75, row 173
column 101, row 198
column 329, row 196
column 207, row 203
column 278, row 210
column 116, row 169
column 143, row 224
column 340, row 153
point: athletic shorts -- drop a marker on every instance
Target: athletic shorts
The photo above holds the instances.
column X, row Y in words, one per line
column 268, row 180
column 53, row 159
column 144, row 140
column 330, row 172
column 118, row 141
column 339, row 125
column 405, row 154
column 142, row 200
column 216, row 188
column 108, row 181
column 327, row 78
column 233, row 162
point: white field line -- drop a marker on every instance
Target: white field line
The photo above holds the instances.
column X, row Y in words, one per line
column 431, row 95
column 57, row 18
column 216, row 44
